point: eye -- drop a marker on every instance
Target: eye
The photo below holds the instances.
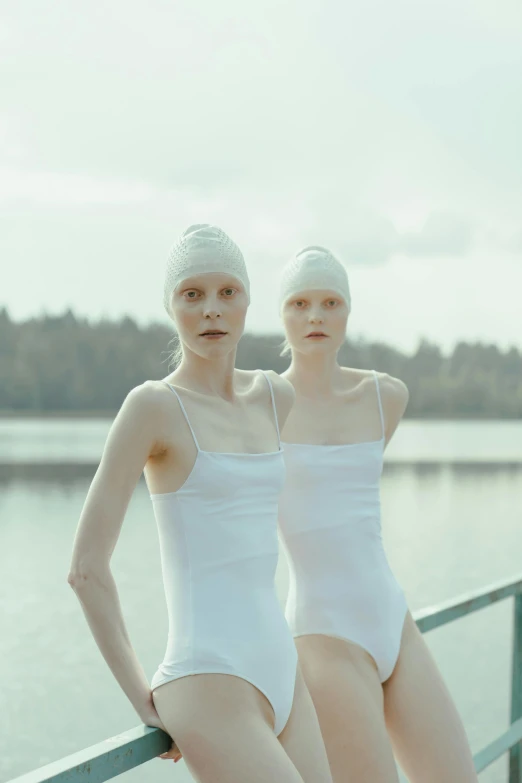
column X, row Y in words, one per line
column 228, row 292
column 331, row 302
column 191, row 294
column 299, row 303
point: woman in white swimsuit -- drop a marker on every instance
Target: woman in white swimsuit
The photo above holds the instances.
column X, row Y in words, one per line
column 229, row 689
column 374, row 683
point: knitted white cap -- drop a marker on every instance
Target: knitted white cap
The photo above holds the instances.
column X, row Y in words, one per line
column 313, row 269
column 202, row 249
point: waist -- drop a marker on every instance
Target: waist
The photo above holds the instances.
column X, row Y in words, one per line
column 216, row 572
column 337, row 568
column 335, row 556
column 222, row 611
column 308, row 515
column 209, row 537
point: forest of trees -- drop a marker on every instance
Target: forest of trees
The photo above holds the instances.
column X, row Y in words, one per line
column 66, row 364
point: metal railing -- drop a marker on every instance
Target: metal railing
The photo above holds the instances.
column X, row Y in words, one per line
column 128, row 750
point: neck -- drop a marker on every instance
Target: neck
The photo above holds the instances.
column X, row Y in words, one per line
column 208, row 376
column 314, row 375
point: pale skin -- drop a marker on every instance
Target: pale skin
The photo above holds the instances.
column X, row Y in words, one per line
column 365, row 723
column 223, row 726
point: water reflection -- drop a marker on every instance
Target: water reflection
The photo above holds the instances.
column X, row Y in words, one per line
column 459, row 469
column 67, row 474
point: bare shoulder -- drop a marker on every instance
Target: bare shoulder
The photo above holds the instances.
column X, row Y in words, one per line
column 144, row 413
column 284, row 395
column 394, row 395
column 254, row 380
column 134, row 435
column 388, row 385
column 283, row 389
column 354, row 377
column 146, row 400
column 393, row 390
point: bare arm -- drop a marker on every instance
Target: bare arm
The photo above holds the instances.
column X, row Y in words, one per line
column 132, row 439
column 395, row 397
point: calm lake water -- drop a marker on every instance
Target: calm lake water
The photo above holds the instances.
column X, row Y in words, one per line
column 452, row 517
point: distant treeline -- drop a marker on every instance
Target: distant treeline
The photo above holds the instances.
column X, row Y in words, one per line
column 67, row 364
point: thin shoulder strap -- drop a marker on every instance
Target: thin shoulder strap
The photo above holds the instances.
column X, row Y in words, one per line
column 380, row 402
column 184, row 413
column 273, row 406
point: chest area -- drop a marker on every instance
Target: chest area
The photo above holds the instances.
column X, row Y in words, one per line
column 333, row 422
column 237, row 429
column 225, row 480
column 330, row 471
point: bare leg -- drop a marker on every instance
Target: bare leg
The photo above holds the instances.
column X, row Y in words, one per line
column 301, row 737
column 223, row 726
column 425, row 729
column 347, row 694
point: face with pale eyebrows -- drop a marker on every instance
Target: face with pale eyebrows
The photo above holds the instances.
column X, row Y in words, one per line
column 315, row 321
column 209, row 312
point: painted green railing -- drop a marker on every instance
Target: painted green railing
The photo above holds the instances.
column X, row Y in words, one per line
column 126, row 751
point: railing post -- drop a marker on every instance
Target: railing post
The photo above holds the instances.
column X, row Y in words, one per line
column 515, row 754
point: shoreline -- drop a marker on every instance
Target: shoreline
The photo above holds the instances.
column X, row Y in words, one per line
column 104, row 414
column 30, row 414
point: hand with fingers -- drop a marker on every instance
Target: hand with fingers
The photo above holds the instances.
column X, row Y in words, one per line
column 151, row 718
column 174, row 753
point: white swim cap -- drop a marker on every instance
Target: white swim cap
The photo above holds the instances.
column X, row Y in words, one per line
column 202, row 249
column 312, row 269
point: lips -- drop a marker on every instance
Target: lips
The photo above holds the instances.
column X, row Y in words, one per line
column 317, row 334
column 212, row 332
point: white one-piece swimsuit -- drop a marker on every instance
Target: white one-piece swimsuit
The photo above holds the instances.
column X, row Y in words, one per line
column 341, row 584
column 219, row 551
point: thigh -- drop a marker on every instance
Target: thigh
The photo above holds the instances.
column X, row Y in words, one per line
column 426, row 731
column 223, row 726
column 347, row 694
column 301, row 738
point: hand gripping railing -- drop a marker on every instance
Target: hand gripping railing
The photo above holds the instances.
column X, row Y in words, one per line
column 128, row 750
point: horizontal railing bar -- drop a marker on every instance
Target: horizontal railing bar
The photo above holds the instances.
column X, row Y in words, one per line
column 498, row 747
column 105, row 760
column 435, row 616
column 125, row 751
column 112, row 757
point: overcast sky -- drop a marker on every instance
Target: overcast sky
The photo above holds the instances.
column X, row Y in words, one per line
column 390, row 132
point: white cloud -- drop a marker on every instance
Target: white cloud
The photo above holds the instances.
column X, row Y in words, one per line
column 52, row 189
column 443, row 234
